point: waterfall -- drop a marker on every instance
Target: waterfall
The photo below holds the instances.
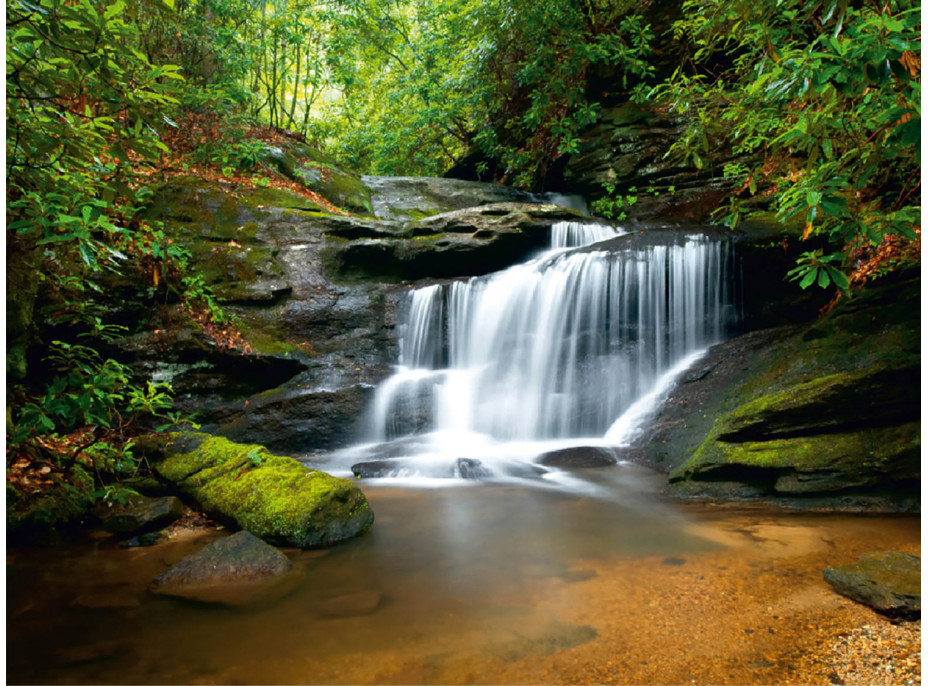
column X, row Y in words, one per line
column 557, row 347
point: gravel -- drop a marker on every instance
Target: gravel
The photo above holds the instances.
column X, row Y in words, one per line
column 877, row 654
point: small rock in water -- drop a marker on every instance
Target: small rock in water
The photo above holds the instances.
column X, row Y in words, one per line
column 470, row 468
column 673, row 561
column 235, row 570
column 576, row 458
column 151, row 538
column 373, row 469
column 351, row 604
column 889, row 582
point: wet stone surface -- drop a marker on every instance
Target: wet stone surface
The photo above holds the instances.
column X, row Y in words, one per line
column 889, row 582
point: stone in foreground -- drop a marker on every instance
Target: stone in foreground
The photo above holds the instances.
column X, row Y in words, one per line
column 888, row 582
column 143, row 515
column 273, row 497
column 234, row 570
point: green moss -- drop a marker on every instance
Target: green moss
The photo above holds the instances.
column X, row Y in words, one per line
column 268, row 345
column 415, row 214
column 826, row 461
column 273, row 497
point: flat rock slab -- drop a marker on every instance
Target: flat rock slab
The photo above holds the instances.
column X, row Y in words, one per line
column 144, row 515
column 578, row 458
column 888, row 582
column 235, row 570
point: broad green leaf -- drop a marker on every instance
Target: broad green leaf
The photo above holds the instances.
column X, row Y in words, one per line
column 809, row 278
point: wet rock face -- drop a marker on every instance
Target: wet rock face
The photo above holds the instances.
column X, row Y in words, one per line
column 409, row 198
column 888, row 582
column 295, row 420
column 825, row 414
column 469, row 242
column 627, row 149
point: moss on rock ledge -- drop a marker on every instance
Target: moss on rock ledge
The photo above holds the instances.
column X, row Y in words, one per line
column 271, row 496
column 826, row 414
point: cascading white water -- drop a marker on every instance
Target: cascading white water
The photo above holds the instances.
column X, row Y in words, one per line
column 557, row 347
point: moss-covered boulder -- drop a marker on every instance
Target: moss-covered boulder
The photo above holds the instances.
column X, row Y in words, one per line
column 46, row 516
column 826, row 414
column 273, row 497
column 322, row 174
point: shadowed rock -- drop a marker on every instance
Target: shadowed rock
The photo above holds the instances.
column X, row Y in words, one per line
column 888, row 582
column 143, row 515
column 578, row 458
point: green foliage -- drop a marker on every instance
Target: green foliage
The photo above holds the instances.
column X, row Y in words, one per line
column 115, row 494
column 421, row 80
column 86, row 390
column 814, row 268
column 84, row 106
column 824, row 98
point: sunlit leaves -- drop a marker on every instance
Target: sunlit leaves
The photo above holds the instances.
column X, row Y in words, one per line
column 825, row 96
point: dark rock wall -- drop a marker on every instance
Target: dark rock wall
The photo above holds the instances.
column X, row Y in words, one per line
column 822, row 413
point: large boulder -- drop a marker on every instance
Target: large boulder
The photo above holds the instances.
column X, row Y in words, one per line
column 298, row 417
column 468, row 242
column 825, row 414
column 409, row 198
column 274, row 497
column 888, row 582
column 234, row 570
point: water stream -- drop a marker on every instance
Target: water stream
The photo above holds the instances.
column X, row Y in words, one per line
column 575, row 347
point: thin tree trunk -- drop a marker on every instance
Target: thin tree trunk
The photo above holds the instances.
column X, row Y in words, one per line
column 296, row 87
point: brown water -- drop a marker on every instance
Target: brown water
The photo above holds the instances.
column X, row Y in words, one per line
column 481, row 584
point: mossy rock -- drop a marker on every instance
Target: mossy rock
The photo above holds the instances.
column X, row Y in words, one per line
column 824, row 413
column 273, row 497
column 826, row 462
column 829, row 403
column 45, row 518
column 322, row 174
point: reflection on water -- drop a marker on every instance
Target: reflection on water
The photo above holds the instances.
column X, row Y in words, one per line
column 481, row 584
